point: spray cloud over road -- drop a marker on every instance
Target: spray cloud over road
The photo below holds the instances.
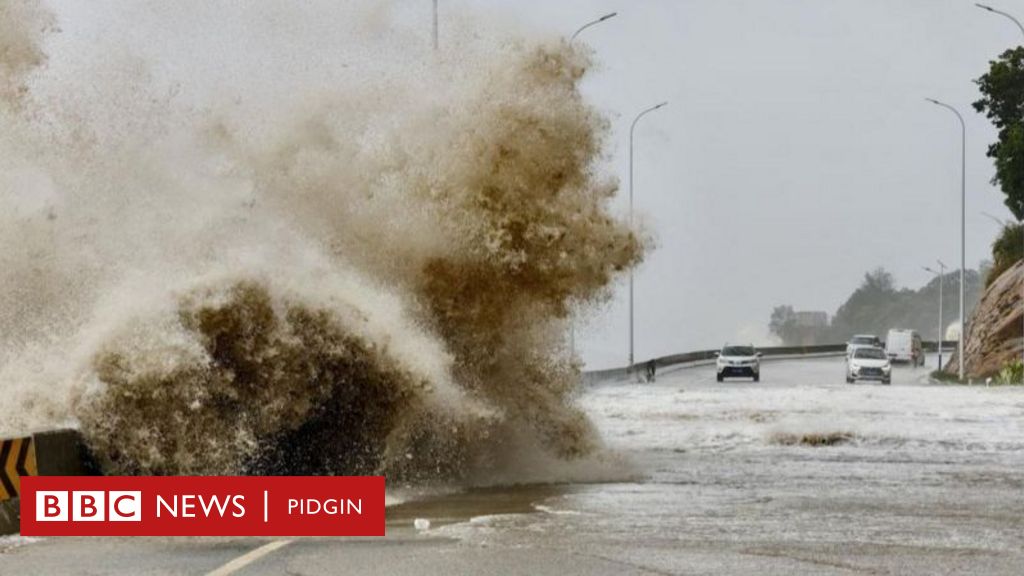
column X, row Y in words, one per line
column 267, row 259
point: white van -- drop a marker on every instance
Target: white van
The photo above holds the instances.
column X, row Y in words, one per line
column 904, row 346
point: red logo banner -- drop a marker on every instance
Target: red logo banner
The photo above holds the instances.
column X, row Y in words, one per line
column 202, row 506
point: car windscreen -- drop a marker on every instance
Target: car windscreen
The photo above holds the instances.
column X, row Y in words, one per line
column 738, row 351
column 864, row 340
column 869, row 354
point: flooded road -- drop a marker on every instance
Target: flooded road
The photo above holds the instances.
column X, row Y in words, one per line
column 798, row 474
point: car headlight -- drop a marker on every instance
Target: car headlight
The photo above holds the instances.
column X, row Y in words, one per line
column 887, row 368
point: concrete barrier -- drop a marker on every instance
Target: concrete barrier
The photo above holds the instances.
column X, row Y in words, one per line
column 52, row 453
column 9, row 520
column 63, row 453
column 700, row 357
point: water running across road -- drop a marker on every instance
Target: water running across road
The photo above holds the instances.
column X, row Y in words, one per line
column 798, row 474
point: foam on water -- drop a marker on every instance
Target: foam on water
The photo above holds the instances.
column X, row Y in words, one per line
column 738, row 417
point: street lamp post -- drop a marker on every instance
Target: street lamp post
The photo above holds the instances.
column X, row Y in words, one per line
column 632, row 129
column 1020, row 222
column 435, row 26
column 589, row 24
column 942, row 280
column 1001, row 13
column 572, row 325
column 963, row 228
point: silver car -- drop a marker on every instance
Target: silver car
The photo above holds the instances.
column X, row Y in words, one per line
column 862, row 341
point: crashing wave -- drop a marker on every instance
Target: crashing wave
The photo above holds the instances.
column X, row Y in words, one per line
column 368, row 273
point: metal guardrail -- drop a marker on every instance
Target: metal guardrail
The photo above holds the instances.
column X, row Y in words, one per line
column 595, row 376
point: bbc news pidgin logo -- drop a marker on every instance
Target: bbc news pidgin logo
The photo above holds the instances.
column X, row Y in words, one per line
column 202, row 506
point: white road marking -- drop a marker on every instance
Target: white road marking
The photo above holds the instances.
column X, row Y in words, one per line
column 248, row 558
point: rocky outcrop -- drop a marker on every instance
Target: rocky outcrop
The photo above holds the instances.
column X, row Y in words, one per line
column 995, row 330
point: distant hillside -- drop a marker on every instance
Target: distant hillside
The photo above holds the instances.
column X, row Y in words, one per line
column 877, row 306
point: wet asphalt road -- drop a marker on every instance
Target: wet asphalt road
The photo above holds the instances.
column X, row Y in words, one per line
column 798, row 474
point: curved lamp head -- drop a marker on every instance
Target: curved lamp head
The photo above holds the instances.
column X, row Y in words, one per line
column 591, row 23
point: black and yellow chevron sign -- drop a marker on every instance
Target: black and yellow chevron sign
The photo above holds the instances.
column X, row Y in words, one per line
column 17, row 459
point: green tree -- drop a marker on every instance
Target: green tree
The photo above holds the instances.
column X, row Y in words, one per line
column 878, row 305
column 783, row 323
column 1003, row 104
column 869, row 309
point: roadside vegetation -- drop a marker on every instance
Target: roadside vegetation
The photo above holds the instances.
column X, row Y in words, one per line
column 1006, row 251
column 945, row 377
column 1012, row 374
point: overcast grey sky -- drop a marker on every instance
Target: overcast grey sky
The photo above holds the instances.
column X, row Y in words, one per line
column 797, row 151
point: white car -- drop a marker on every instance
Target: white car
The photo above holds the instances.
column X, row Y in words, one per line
column 738, row 361
column 862, row 341
column 868, row 364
